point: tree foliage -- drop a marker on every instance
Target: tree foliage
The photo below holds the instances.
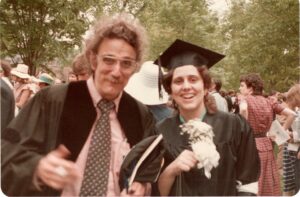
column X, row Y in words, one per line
column 256, row 36
column 187, row 20
column 39, row 31
column 263, row 37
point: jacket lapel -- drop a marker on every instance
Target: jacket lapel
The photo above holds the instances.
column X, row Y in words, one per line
column 130, row 119
column 77, row 118
column 79, row 115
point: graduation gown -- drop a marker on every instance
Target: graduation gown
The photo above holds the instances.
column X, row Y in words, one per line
column 62, row 114
column 238, row 156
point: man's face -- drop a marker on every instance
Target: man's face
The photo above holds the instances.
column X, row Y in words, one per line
column 244, row 90
column 113, row 65
column 188, row 89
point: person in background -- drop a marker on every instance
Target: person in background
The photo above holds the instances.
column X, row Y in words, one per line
column 215, row 92
column 7, row 105
column 290, row 149
column 45, row 80
column 188, row 82
column 259, row 111
column 144, row 87
column 7, row 96
column 5, row 73
column 22, row 89
column 81, row 67
column 69, row 133
column 72, row 77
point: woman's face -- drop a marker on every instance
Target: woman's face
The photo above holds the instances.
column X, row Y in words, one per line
column 244, row 90
column 188, row 89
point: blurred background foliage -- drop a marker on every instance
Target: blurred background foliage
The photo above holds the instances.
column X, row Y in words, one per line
column 256, row 36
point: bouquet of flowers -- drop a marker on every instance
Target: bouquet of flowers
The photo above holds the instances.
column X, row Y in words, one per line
column 201, row 139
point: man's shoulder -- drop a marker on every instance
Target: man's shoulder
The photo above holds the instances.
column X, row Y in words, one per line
column 53, row 92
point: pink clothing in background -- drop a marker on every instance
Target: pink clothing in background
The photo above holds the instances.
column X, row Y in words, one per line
column 261, row 112
column 119, row 149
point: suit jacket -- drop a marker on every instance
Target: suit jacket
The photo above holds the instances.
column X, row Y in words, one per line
column 7, row 105
column 61, row 114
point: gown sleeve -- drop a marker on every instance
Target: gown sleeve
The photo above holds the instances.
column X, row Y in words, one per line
column 248, row 164
column 27, row 138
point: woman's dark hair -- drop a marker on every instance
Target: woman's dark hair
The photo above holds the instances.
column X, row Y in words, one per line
column 207, row 80
column 254, row 81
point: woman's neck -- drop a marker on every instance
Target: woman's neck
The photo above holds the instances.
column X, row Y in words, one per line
column 189, row 115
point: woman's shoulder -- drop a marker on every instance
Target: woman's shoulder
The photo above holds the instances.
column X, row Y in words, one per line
column 167, row 121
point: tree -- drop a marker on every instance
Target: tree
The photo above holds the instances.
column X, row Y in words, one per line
column 39, row 31
column 187, row 20
column 263, row 37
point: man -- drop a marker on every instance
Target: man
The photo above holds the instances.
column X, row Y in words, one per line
column 49, row 148
column 5, row 73
column 81, row 67
column 7, row 104
column 215, row 92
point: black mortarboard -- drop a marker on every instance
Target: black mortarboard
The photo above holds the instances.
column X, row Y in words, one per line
column 182, row 53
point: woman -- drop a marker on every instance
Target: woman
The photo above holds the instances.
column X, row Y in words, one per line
column 22, row 89
column 290, row 156
column 259, row 111
column 188, row 82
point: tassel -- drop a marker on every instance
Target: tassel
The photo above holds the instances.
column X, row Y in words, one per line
column 160, row 80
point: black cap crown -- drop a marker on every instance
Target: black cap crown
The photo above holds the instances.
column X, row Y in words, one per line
column 182, row 53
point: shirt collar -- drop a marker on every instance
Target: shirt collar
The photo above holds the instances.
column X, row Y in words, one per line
column 96, row 97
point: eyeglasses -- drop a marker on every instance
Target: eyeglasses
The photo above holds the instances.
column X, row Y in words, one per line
column 126, row 64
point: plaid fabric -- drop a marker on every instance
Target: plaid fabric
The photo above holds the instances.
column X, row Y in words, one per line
column 268, row 182
column 261, row 113
column 260, row 116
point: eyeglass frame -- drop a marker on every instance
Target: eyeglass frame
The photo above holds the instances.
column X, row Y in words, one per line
column 125, row 68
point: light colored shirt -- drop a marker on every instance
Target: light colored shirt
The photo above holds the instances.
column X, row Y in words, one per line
column 119, row 148
column 220, row 101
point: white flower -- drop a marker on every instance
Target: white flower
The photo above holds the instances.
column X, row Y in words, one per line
column 201, row 139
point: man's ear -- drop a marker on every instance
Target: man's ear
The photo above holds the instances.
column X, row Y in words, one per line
column 251, row 90
column 92, row 59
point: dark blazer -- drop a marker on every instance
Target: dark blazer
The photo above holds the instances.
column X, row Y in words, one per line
column 61, row 114
column 7, row 105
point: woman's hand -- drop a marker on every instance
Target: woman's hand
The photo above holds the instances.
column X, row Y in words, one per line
column 184, row 162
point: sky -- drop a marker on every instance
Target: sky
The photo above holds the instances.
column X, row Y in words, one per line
column 220, row 6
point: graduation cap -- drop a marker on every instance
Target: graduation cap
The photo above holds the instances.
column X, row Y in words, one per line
column 181, row 53
column 143, row 163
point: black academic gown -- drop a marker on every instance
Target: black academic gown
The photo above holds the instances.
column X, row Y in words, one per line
column 62, row 114
column 238, row 156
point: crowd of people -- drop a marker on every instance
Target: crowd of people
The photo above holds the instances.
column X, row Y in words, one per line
column 71, row 139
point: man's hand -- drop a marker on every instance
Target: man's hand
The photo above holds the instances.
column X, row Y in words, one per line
column 55, row 171
column 137, row 189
